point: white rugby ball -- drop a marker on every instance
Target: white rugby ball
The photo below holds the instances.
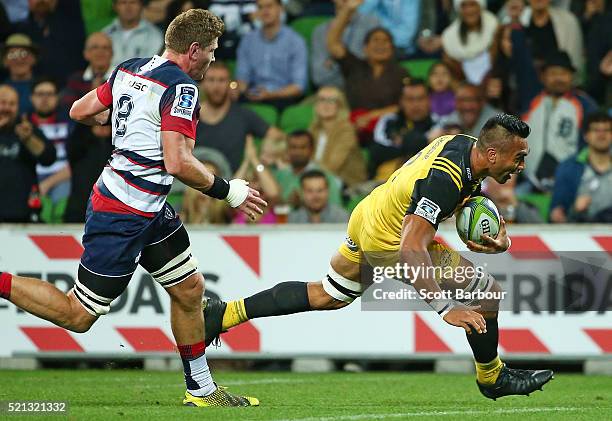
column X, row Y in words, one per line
column 478, row 216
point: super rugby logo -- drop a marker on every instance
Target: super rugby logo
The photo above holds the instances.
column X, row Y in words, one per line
column 427, row 209
column 185, row 100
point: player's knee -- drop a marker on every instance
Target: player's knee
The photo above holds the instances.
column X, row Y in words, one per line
column 188, row 294
column 337, row 291
column 321, row 300
column 77, row 320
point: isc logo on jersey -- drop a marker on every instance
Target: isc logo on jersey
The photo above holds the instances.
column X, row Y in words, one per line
column 185, row 101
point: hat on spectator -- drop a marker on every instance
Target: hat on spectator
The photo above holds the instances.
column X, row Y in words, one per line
column 19, row 41
column 560, row 59
column 482, row 3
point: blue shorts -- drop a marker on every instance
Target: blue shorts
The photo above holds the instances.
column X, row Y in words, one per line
column 115, row 243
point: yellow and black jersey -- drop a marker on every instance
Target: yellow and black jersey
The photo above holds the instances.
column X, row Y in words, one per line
column 432, row 184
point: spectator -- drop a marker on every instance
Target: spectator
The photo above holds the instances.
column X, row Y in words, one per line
column 374, row 84
column 132, row 35
column 599, row 59
column 88, row 150
column 272, row 62
column 325, row 71
column 56, row 28
column 6, row 27
column 19, row 57
column 22, row 146
column 550, row 29
column 337, row 149
column 316, row 208
column 98, row 53
column 587, row 12
column 261, row 179
column 467, row 40
column 398, row 136
column 555, row 113
column 403, row 19
column 583, row 183
column 472, row 110
column 509, row 205
column 300, row 151
column 16, row 10
column 174, row 8
column 239, row 19
column 497, row 83
column 199, row 208
column 511, row 12
column 54, row 179
column 441, row 93
column 224, row 124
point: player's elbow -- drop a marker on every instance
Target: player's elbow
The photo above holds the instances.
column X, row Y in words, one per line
column 77, row 113
column 174, row 167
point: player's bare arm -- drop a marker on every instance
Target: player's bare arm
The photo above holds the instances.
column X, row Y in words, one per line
column 89, row 110
column 417, row 234
column 180, row 163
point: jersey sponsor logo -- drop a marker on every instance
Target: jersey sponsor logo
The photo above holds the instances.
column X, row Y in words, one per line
column 427, row 209
column 185, row 100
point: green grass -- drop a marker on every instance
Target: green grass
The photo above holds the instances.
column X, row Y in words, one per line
column 134, row 394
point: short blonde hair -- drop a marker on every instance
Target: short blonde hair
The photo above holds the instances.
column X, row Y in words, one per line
column 194, row 25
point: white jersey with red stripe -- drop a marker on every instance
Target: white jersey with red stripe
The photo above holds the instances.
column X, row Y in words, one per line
column 147, row 96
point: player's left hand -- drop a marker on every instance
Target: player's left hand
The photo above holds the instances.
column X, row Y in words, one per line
column 490, row 245
column 253, row 204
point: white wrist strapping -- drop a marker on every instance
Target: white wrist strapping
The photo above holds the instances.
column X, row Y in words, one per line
column 442, row 306
column 238, row 192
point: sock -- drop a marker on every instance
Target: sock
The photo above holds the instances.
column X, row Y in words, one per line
column 5, row 284
column 235, row 313
column 487, row 373
column 197, row 374
column 284, row 298
column 484, row 348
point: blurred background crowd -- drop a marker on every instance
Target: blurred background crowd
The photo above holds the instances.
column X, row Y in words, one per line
column 317, row 102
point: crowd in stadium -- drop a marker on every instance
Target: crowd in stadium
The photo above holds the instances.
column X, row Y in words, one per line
column 317, row 102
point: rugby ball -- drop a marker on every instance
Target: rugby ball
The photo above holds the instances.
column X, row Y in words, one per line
column 478, row 216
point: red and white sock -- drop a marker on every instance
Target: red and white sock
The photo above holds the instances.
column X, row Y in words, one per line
column 197, row 374
column 5, row 284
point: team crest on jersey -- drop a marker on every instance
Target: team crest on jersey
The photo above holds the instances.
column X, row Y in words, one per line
column 427, row 209
column 185, row 100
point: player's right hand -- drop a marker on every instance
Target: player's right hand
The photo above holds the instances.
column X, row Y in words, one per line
column 253, row 204
column 467, row 319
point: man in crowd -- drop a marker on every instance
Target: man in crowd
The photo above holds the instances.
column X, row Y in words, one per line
column 315, row 207
column 300, row 152
column 49, row 118
column 132, row 35
column 272, row 62
column 19, row 58
column 583, row 183
column 224, row 124
column 98, row 53
column 22, row 146
column 398, row 136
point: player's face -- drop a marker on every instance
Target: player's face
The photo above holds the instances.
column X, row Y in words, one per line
column 379, row 47
column 315, row 193
column 203, row 57
column 510, row 161
column 599, row 136
column 9, row 105
column 557, row 80
column 216, row 85
column 415, row 102
column 44, row 98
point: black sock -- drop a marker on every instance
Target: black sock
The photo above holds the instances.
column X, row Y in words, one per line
column 484, row 345
column 284, row 298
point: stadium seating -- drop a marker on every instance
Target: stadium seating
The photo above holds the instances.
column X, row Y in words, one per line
column 418, row 68
column 296, row 117
column 306, row 25
column 266, row 112
column 540, row 200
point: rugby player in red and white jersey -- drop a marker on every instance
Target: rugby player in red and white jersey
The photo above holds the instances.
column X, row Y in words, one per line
column 152, row 104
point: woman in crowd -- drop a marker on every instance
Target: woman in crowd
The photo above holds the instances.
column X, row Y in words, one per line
column 337, row 149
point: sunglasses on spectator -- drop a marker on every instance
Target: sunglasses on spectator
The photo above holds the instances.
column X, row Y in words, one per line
column 17, row 54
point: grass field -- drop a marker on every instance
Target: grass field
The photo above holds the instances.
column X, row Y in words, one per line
column 135, row 394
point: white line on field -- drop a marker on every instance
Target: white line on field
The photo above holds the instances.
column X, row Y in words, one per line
column 261, row 381
column 434, row 413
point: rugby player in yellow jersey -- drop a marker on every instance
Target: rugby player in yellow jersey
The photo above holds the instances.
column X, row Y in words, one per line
column 397, row 222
